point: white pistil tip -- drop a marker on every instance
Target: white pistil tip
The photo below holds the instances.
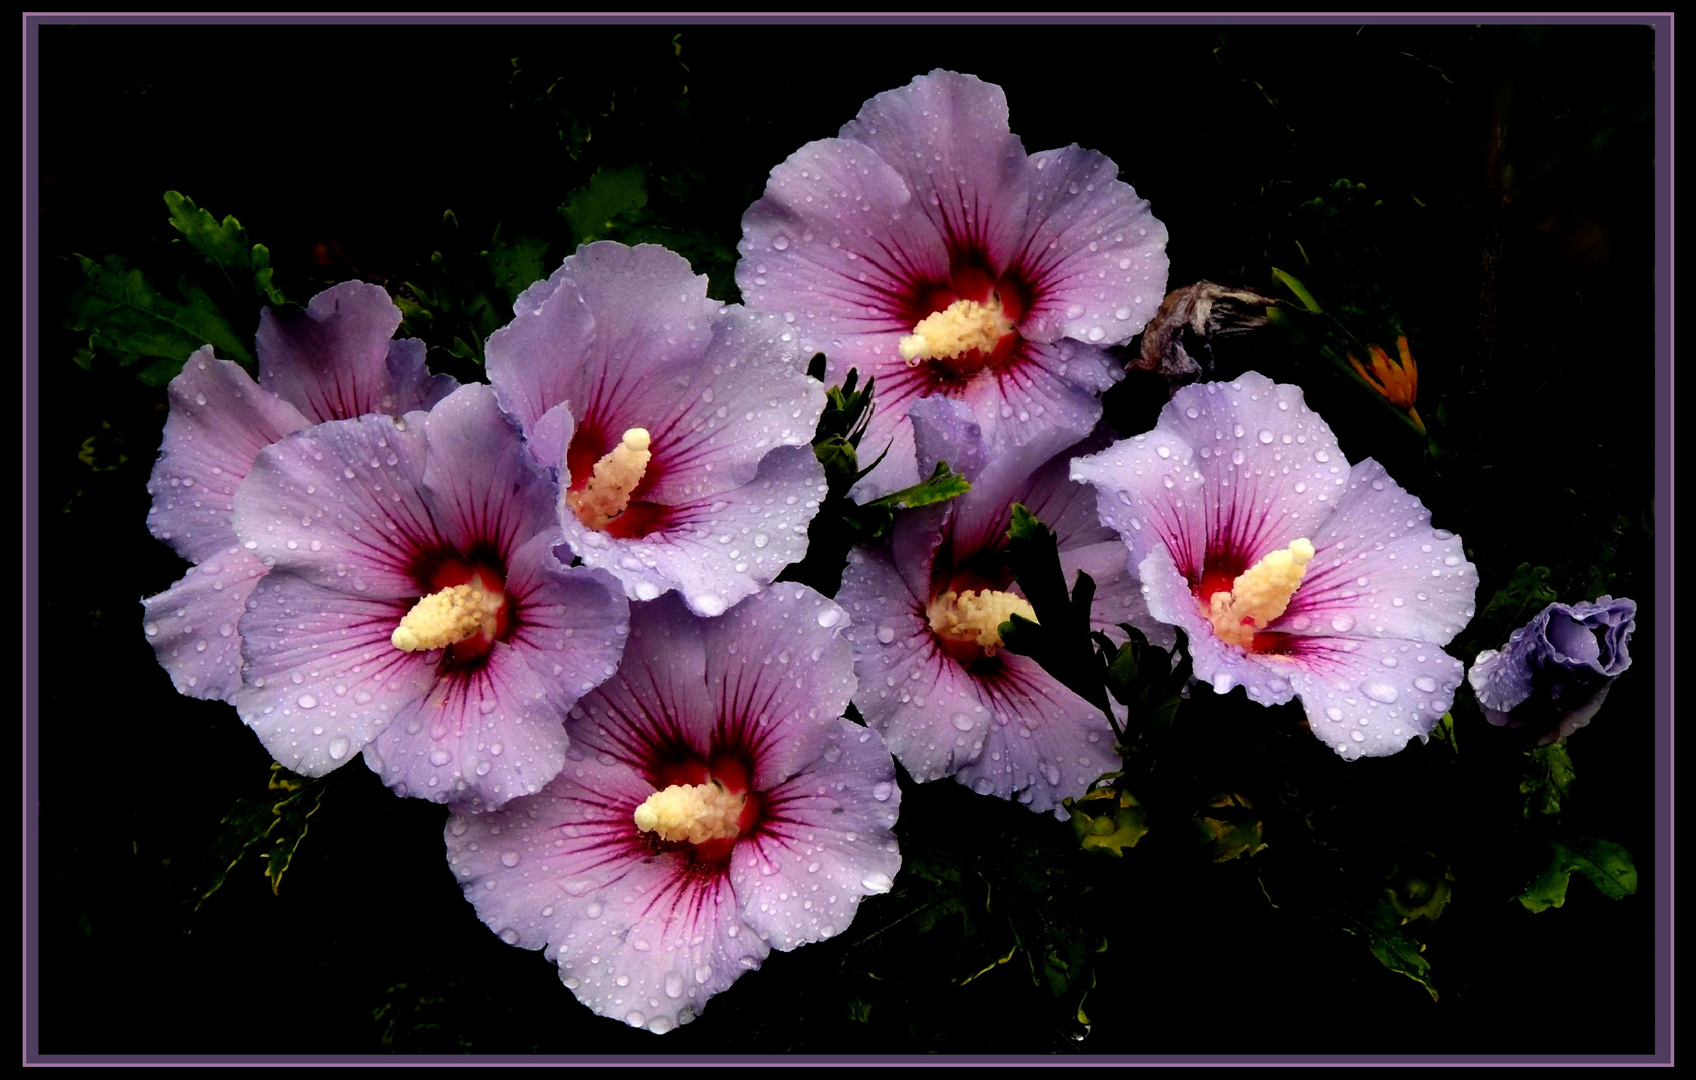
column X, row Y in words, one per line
column 607, row 494
column 976, row 617
column 447, row 617
column 1259, row 594
column 914, row 348
column 693, row 812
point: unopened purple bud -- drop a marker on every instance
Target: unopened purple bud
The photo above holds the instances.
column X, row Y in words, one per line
column 1554, row 672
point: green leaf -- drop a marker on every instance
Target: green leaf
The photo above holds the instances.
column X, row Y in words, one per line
column 1295, row 286
column 847, row 411
column 995, row 904
column 941, row 485
column 126, row 317
column 245, row 825
column 1380, row 926
column 1548, row 778
column 1444, row 732
column 1402, row 955
column 275, row 823
column 225, row 244
column 1602, row 575
column 1033, row 548
column 841, row 522
column 455, row 301
column 1145, row 679
column 836, row 444
column 841, row 463
column 1606, row 864
column 289, row 828
column 594, row 209
column 1059, row 639
column 1526, row 593
column 262, row 273
column 245, row 265
column 871, row 521
column 518, row 265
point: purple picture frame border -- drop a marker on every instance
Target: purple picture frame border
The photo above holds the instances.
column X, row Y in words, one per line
column 1662, row 896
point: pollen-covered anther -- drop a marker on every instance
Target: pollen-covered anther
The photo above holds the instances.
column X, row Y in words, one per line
column 956, row 330
column 607, row 494
column 976, row 617
column 1259, row 594
column 693, row 812
column 449, row 617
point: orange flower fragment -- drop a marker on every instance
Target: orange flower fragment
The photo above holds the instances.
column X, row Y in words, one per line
column 1398, row 383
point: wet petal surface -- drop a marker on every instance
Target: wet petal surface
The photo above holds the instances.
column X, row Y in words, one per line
column 335, row 360
column 194, row 626
column 220, row 419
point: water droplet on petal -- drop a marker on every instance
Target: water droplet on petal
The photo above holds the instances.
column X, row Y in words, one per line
column 1382, row 692
column 877, row 882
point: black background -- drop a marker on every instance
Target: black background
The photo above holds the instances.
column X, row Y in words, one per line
column 1512, row 168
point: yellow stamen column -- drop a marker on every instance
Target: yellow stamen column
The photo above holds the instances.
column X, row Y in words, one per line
column 607, row 494
column 956, row 330
column 1259, row 594
column 976, row 617
column 448, row 617
column 693, row 812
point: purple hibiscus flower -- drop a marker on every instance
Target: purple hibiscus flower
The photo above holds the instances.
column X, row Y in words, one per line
column 1291, row 572
column 933, row 676
column 414, row 607
column 716, row 806
column 334, row 362
column 923, row 246
column 1554, row 672
column 681, row 428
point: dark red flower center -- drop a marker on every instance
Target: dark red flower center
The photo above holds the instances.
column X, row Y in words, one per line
column 728, row 769
column 987, row 572
column 970, row 278
column 445, row 569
